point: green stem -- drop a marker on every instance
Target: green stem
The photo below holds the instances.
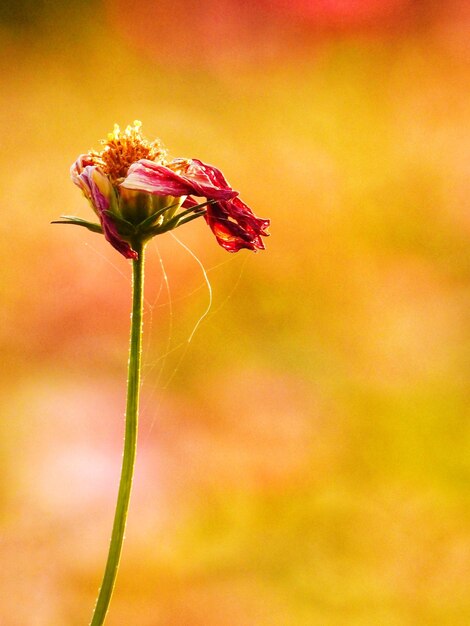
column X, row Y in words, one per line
column 130, row 441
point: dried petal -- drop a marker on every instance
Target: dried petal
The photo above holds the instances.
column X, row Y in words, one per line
column 181, row 178
column 235, row 226
column 99, row 191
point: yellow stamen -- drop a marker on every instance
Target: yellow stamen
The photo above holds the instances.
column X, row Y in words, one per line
column 121, row 149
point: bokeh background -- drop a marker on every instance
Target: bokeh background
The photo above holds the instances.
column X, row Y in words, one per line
column 305, row 459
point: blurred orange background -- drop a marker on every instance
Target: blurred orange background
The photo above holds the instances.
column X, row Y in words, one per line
column 305, row 459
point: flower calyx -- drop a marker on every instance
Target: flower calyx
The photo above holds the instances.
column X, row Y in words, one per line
column 162, row 221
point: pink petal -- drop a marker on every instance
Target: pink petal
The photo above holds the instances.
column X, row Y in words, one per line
column 87, row 181
column 179, row 178
column 235, row 225
column 77, row 170
column 213, row 174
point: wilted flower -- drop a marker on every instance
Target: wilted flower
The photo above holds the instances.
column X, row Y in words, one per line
column 137, row 194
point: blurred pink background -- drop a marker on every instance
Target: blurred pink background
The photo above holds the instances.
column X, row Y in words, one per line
column 305, row 459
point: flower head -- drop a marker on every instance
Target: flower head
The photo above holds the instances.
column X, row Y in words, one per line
column 137, row 194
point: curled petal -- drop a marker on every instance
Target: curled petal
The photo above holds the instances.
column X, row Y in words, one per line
column 180, row 178
column 79, row 165
column 76, row 172
column 99, row 191
column 196, row 168
column 235, row 226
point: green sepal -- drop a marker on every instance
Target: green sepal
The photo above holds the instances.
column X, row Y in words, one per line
column 173, row 223
column 78, row 221
column 198, row 207
column 177, row 221
column 151, row 219
column 190, row 218
column 124, row 227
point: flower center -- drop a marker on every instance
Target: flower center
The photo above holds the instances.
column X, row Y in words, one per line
column 121, row 149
